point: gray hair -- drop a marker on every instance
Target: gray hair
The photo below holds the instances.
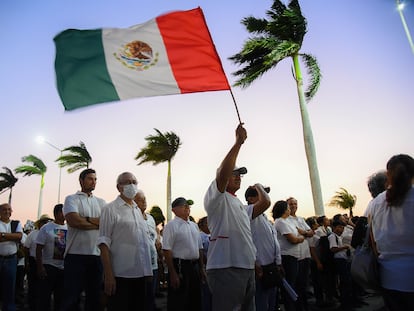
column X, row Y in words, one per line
column 377, row 183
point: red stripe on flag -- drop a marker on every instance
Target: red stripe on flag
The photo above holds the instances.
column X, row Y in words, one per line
column 193, row 58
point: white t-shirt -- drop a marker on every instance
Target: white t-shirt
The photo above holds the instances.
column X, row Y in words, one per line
column 393, row 231
column 8, row 248
column 30, row 242
column 182, row 238
column 82, row 242
column 265, row 240
column 285, row 226
column 124, row 230
column 231, row 243
column 53, row 238
column 300, row 222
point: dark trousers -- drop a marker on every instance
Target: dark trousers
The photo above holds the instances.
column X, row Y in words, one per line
column 343, row 269
column 32, row 283
column 302, row 283
column 53, row 283
column 188, row 296
column 291, row 267
column 130, row 295
column 82, row 272
column 8, row 267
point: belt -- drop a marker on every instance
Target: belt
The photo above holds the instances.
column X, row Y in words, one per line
column 7, row 256
column 185, row 261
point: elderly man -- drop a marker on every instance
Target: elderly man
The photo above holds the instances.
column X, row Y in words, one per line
column 231, row 253
column 125, row 249
column 83, row 267
column 183, row 251
column 10, row 234
column 141, row 201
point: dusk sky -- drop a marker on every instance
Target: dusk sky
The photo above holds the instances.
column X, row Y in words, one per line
column 360, row 117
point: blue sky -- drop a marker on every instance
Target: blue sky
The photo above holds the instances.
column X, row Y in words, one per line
column 361, row 115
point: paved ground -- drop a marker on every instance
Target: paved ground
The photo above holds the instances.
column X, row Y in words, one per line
column 372, row 303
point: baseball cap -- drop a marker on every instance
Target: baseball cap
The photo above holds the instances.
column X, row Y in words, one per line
column 241, row 170
column 181, row 201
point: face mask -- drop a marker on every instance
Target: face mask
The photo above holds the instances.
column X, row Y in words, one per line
column 130, row 191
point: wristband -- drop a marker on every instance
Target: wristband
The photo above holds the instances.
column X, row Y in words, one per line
column 87, row 219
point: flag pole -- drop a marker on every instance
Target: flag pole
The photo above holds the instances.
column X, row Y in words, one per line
column 235, row 105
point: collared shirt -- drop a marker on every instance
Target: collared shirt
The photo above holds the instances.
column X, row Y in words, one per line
column 82, row 242
column 124, row 230
column 182, row 238
column 152, row 235
column 8, row 247
column 265, row 240
column 300, row 222
column 336, row 241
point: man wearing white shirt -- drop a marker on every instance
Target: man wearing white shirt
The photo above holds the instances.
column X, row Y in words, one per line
column 125, row 249
column 268, row 249
column 305, row 256
column 51, row 244
column 183, row 251
column 151, row 282
column 10, row 234
column 83, row 266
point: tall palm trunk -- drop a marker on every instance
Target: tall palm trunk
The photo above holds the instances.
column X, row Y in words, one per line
column 39, row 209
column 169, row 192
column 10, row 195
column 309, row 144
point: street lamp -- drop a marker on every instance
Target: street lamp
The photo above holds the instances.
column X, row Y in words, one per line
column 42, row 140
column 400, row 7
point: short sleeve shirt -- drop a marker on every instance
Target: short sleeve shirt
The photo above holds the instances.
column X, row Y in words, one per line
column 231, row 243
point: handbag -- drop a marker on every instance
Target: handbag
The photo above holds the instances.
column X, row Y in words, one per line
column 364, row 266
column 271, row 276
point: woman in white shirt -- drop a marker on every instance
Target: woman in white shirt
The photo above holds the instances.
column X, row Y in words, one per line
column 289, row 240
column 393, row 231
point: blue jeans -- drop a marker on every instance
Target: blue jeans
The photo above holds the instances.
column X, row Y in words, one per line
column 82, row 272
column 8, row 268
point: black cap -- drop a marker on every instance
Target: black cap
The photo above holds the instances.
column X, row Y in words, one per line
column 241, row 170
column 181, row 201
column 252, row 192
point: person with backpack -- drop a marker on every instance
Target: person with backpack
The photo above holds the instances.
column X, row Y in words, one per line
column 342, row 263
column 10, row 234
column 323, row 260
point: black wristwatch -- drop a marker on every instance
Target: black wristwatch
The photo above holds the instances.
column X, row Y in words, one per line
column 3, row 235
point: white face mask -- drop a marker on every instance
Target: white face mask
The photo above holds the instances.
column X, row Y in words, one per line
column 130, row 191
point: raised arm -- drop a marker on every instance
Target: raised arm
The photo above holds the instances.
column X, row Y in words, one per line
column 262, row 203
column 226, row 168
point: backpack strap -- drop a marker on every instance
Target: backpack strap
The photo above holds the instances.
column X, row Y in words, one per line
column 14, row 224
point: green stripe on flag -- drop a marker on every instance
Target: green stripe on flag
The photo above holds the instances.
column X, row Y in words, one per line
column 81, row 74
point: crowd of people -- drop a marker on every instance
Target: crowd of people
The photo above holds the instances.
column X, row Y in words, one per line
column 113, row 256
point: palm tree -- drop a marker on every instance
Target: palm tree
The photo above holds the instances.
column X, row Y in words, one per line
column 37, row 168
column 160, row 148
column 343, row 199
column 7, row 182
column 77, row 158
column 272, row 41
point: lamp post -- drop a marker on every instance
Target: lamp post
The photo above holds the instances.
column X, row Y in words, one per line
column 41, row 139
column 400, row 7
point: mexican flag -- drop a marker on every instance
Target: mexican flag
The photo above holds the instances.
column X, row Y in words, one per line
column 170, row 54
